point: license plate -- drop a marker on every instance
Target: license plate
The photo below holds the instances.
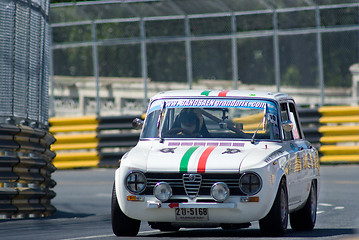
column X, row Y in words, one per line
column 191, row 214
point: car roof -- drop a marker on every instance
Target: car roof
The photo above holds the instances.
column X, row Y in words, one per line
column 277, row 96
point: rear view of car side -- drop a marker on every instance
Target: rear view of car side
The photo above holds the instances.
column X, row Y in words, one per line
column 218, row 159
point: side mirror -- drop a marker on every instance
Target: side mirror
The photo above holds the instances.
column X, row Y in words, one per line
column 287, row 125
column 137, row 123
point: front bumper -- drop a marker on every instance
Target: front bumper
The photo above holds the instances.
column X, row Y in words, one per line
column 234, row 210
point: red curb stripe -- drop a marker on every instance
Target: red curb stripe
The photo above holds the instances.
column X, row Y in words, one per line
column 201, row 168
column 223, row 94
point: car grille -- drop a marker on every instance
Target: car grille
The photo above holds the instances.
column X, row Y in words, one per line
column 193, row 185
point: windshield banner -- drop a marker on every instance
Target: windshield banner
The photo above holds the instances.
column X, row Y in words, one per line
column 216, row 103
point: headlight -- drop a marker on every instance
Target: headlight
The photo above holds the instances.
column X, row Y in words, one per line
column 136, row 182
column 220, row 191
column 250, row 183
column 162, row 191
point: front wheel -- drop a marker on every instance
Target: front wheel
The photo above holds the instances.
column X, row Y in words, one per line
column 122, row 225
column 305, row 218
column 276, row 221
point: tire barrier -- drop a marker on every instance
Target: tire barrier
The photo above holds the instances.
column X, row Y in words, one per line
column 101, row 142
column 25, row 172
column 309, row 118
column 92, row 141
column 340, row 134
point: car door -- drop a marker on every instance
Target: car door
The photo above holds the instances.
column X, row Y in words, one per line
column 290, row 144
column 305, row 151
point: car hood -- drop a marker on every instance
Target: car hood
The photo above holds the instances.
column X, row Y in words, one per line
column 206, row 157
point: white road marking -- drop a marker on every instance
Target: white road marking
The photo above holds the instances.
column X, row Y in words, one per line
column 326, row 204
column 148, row 232
column 338, row 208
column 89, row 237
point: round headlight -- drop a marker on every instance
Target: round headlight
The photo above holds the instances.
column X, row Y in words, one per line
column 220, row 191
column 250, row 183
column 162, row 191
column 136, row 182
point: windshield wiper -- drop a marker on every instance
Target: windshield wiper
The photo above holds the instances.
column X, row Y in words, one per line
column 254, row 134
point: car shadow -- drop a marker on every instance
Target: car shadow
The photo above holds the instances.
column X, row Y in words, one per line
column 253, row 233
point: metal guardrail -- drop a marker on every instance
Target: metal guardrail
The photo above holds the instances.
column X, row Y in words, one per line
column 25, row 172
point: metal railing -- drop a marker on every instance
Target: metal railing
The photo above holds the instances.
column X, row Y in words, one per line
column 290, row 46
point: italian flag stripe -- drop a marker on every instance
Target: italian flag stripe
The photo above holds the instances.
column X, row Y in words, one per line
column 186, row 157
column 205, row 93
column 201, row 168
column 223, row 94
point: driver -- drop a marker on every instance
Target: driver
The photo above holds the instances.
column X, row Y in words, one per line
column 189, row 122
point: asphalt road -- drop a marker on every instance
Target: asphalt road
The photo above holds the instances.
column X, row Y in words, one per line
column 83, row 211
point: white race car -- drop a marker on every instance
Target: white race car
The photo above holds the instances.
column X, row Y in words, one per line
column 218, row 159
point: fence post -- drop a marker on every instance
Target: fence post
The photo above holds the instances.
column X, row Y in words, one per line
column 234, row 52
column 276, row 50
column 188, row 52
column 95, row 66
column 319, row 55
column 354, row 69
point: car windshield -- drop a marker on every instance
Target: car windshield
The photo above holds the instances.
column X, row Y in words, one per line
column 212, row 118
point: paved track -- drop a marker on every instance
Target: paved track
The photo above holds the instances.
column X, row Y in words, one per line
column 83, row 204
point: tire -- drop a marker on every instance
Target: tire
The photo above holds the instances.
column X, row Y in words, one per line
column 305, row 218
column 121, row 224
column 276, row 222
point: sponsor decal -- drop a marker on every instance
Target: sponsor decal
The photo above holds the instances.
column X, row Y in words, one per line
column 199, row 144
column 174, row 143
column 238, row 144
column 274, row 155
column 235, row 103
column 225, row 144
column 231, row 151
column 168, row 150
column 203, row 144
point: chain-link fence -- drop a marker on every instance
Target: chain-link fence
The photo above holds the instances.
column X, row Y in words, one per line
column 24, row 61
column 25, row 155
column 135, row 48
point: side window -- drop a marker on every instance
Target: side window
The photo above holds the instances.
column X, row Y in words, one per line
column 285, row 116
column 294, row 118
